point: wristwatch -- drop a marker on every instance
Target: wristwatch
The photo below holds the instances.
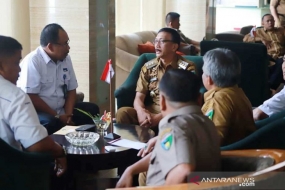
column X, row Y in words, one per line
column 57, row 116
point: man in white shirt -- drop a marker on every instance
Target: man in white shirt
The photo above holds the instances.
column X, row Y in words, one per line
column 47, row 76
column 19, row 124
column 273, row 105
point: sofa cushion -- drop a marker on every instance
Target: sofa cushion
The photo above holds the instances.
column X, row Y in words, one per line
column 147, row 47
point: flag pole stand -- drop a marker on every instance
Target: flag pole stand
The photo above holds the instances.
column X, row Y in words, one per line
column 111, row 135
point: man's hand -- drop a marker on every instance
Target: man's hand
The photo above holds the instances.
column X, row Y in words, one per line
column 277, row 23
column 66, row 119
column 126, row 179
column 258, row 114
column 153, row 121
column 148, row 147
column 60, row 166
column 266, row 43
column 144, row 116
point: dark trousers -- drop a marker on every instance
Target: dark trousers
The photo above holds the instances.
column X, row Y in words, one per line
column 275, row 73
column 53, row 124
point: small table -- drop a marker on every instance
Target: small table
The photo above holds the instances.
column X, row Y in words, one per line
column 93, row 158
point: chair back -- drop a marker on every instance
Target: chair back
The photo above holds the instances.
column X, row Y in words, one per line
column 125, row 94
column 23, row 170
column 254, row 67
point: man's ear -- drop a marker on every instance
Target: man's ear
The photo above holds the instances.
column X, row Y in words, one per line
column 162, row 102
column 209, row 81
column 175, row 47
column 49, row 47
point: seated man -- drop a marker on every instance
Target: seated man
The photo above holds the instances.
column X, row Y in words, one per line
column 188, row 141
column 19, row 124
column 273, row 105
column 47, row 76
column 225, row 103
column 274, row 39
column 166, row 43
column 187, row 46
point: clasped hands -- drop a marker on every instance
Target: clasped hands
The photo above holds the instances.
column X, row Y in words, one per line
column 66, row 119
column 147, row 119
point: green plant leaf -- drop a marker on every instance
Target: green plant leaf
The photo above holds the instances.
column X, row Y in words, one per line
column 86, row 113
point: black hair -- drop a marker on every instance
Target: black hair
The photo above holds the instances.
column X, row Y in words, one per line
column 171, row 16
column 8, row 46
column 180, row 85
column 50, row 34
column 267, row 14
column 175, row 36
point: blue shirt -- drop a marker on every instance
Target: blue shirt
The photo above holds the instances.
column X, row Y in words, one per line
column 41, row 75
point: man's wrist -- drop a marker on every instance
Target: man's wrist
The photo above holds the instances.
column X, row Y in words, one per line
column 57, row 116
column 63, row 154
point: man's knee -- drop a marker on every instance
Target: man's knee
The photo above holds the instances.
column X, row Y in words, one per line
column 142, row 179
column 126, row 115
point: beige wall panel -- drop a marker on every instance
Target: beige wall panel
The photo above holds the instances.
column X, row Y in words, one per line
column 73, row 16
column 152, row 14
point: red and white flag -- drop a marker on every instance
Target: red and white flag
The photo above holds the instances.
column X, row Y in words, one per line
column 108, row 72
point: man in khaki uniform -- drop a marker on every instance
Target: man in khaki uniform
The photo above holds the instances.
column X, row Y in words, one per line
column 187, row 45
column 277, row 9
column 274, row 39
column 225, row 103
column 166, row 43
column 188, row 141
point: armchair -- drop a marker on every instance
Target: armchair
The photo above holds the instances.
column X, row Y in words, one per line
column 23, row 170
column 125, row 94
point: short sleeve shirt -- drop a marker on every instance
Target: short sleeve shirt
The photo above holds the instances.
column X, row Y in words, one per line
column 152, row 72
column 185, row 137
column 274, row 104
column 40, row 75
column 19, row 123
column 231, row 112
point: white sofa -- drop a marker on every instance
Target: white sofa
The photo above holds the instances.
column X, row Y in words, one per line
column 127, row 52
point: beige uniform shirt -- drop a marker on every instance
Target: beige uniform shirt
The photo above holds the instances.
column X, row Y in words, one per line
column 185, row 136
column 183, row 38
column 276, row 36
column 280, row 6
column 150, row 75
column 231, row 112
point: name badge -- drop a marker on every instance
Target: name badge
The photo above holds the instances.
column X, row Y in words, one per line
column 153, row 79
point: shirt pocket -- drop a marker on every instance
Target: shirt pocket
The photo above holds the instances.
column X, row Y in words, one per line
column 45, row 80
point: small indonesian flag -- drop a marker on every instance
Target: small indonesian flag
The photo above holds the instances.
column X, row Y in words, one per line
column 108, row 72
column 254, row 31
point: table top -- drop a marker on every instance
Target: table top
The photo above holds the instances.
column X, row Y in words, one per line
column 126, row 131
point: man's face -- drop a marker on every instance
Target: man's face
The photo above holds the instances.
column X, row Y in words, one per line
column 9, row 66
column 268, row 22
column 175, row 23
column 205, row 81
column 163, row 45
column 61, row 47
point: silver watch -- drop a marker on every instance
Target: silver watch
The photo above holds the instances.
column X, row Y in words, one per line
column 57, row 116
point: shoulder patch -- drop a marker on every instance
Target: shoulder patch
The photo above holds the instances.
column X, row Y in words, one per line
column 166, row 141
column 210, row 114
column 150, row 64
column 183, row 64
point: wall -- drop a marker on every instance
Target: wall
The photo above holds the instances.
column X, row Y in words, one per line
column 140, row 15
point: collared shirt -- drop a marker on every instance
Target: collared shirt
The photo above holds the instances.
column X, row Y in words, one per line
column 40, row 75
column 152, row 72
column 231, row 112
column 185, row 136
column 274, row 104
column 280, row 6
column 275, row 36
column 19, row 123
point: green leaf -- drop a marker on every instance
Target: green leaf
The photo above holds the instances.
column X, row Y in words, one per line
column 86, row 113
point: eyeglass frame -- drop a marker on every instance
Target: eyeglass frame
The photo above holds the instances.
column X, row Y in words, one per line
column 65, row 44
column 161, row 41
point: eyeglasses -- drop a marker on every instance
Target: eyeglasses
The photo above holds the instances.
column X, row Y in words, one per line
column 65, row 44
column 161, row 41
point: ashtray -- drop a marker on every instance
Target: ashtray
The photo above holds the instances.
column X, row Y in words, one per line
column 82, row 138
